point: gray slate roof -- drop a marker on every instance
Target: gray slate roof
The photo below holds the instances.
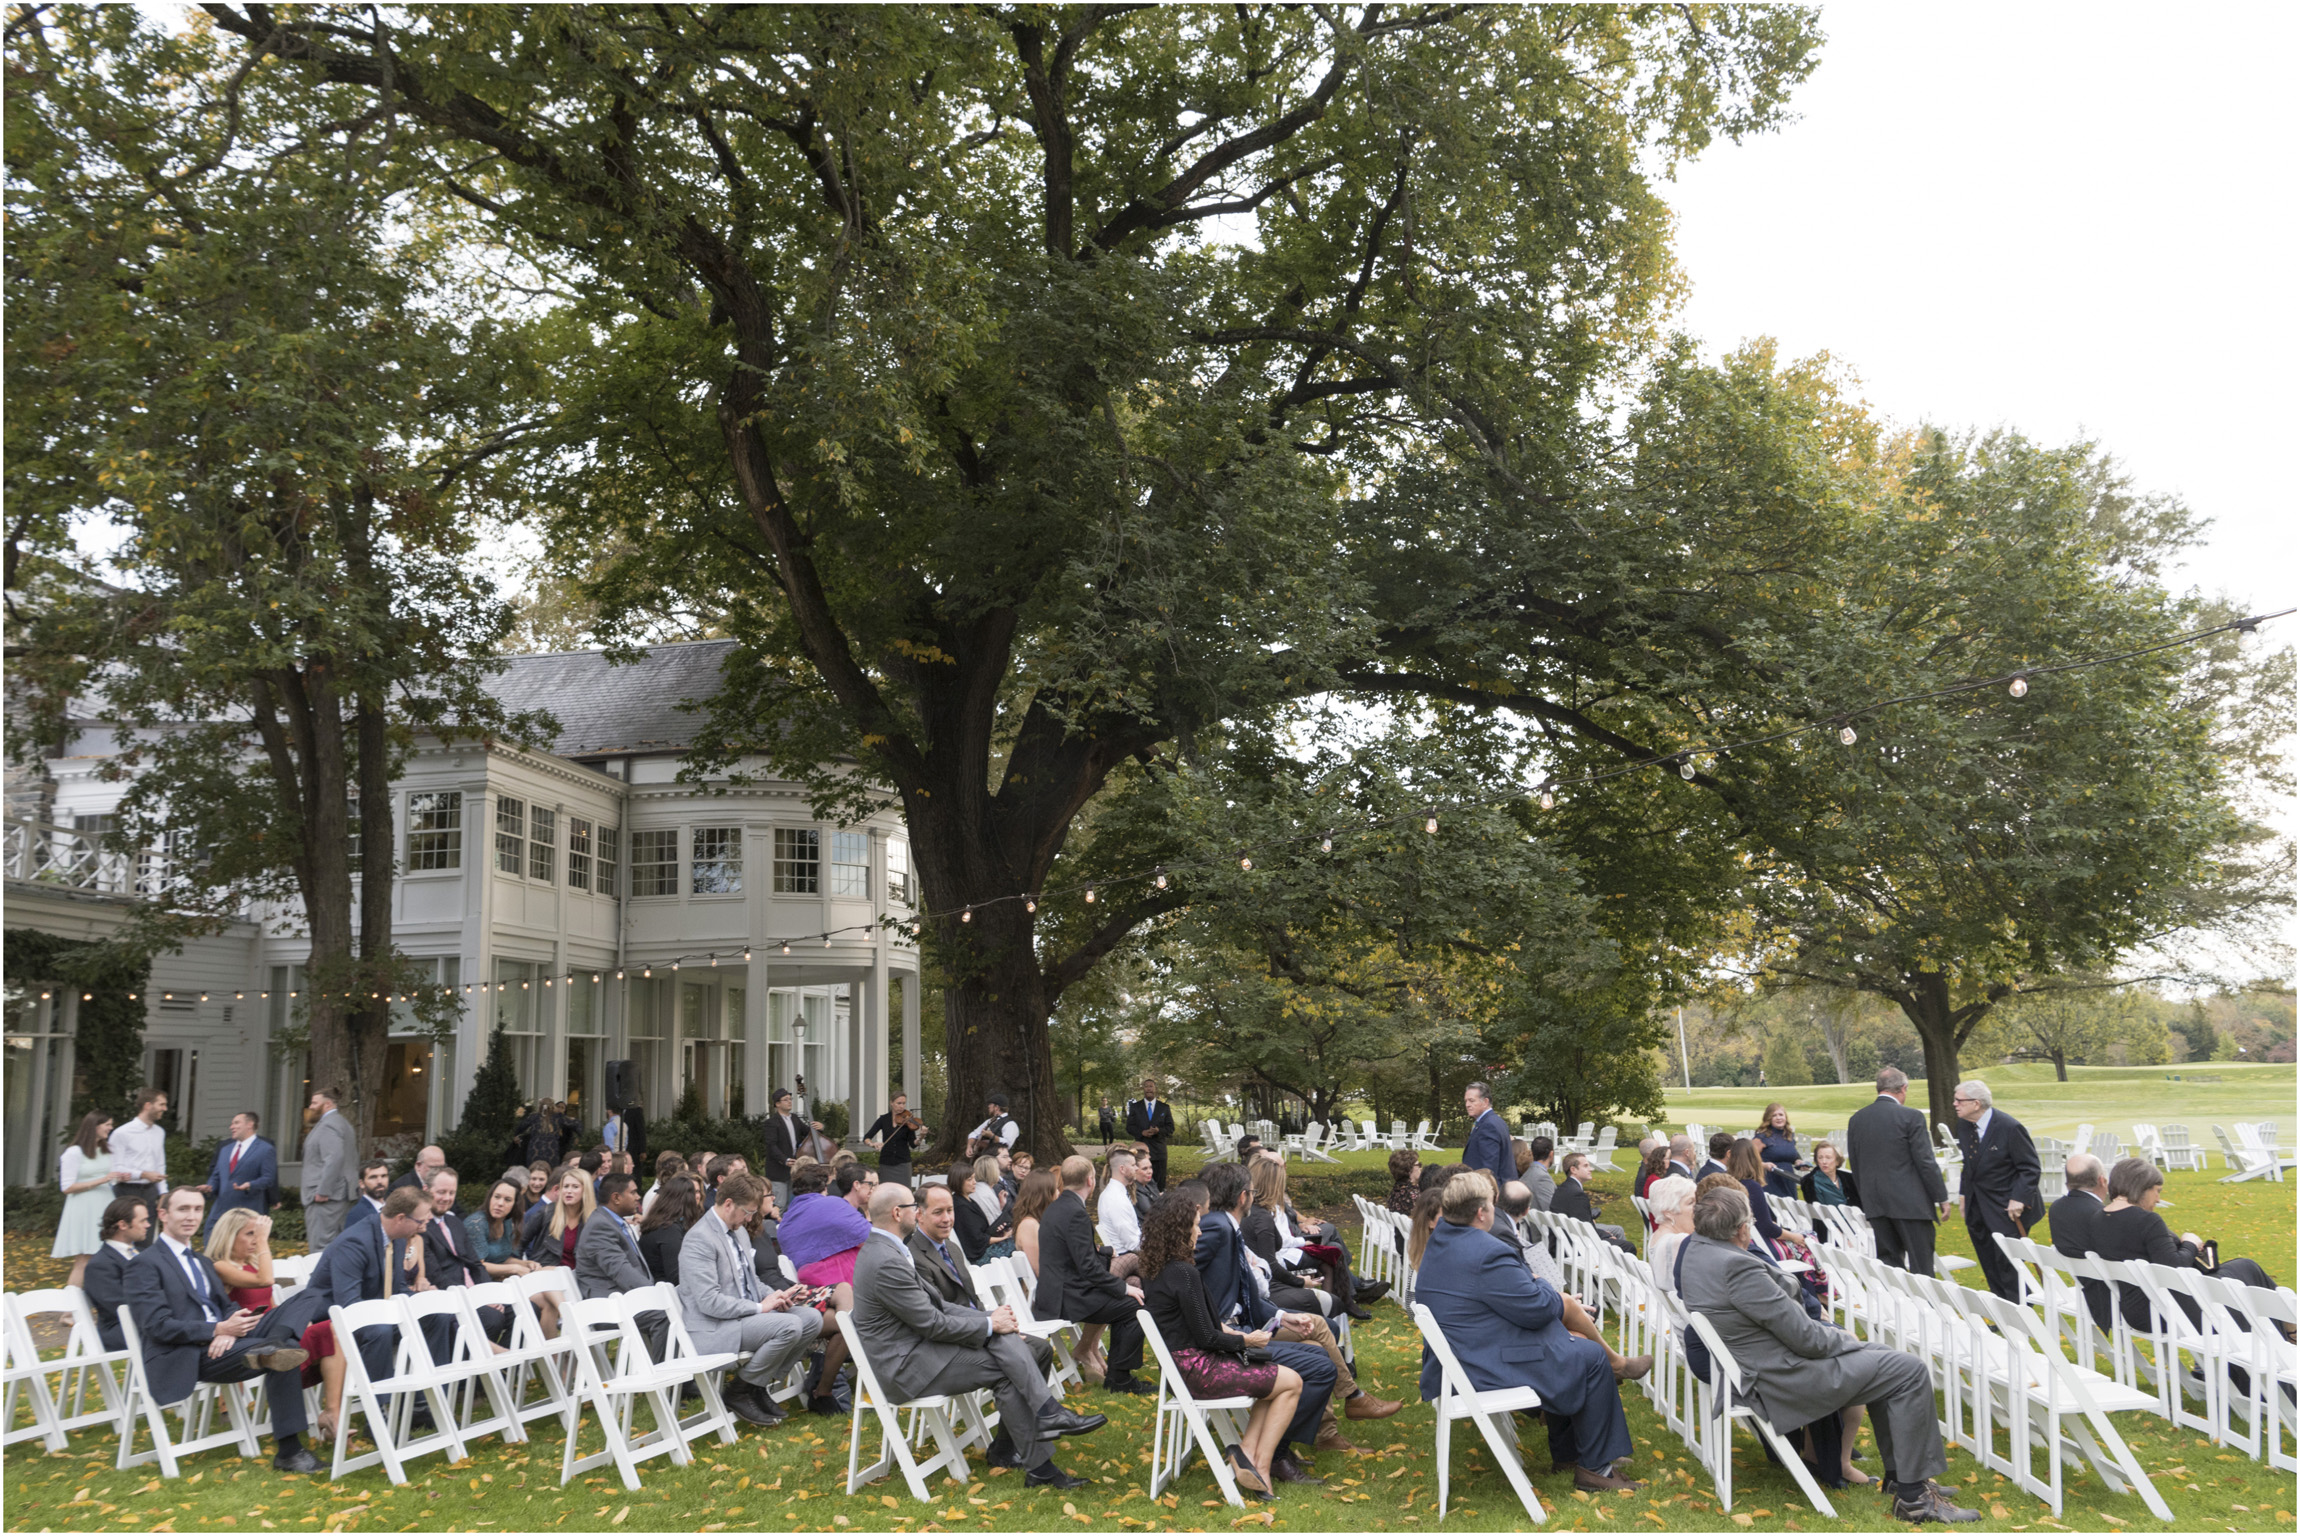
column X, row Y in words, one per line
column 604, row 709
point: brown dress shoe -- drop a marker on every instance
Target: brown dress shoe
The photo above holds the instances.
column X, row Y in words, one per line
column 1367, row 1406
column 1285, row 1468
column 1331, row 1438
column 1601, row 1482
column 1635, row 1368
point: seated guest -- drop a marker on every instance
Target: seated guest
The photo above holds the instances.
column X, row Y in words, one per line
column 1655, row 1166
column 448, row 1255
column 663, row 1229
column 240, row 1247
column 1114, row 1212
column 125, row 1225
column 538, row 1187
column 984, row 1235
column 552, row 1230
column 1030, row 1202
column 1074, row 1283
column 1828, row 1181
column 1508, row 1331
column 192, row 1334
column 1672, row 1202
column 1539, row 1174
column 921, row 1345
column 1301, row 1278
column 1405, row 1180
column 1683, row 1157
column 494, row 1229
column 2074, row 1223
column 1324, row 1241
column 1516, row 1201
column 667, row 1165
column 726, row 1307
column 1777, row 1150
column 1720, row 1143
column 1211, row 1358
column 1799, row 1372
column 607, row 1260
column 2129, row 1228
column 374, row 1184
column 1573, row 1199
column 1225, row 1267
column 1146, row 1190
column 367, row 1260
column 823, row 1232
column 1744, row 1163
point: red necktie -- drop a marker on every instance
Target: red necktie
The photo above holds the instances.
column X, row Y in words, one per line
column 235, row 1162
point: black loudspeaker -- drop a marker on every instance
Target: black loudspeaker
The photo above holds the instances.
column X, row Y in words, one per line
column 622, row 1084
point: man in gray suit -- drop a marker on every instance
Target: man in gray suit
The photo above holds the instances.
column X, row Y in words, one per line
column 920, row 1345
column 1796, row 1371
column 330, row 1157
column 1890, row 1150
column 1538, row 1178
column 727, row 1308
column 607, row 1257
column 942, row 1263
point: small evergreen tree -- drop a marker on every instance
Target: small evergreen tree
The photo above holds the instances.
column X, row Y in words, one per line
column 490, row 1113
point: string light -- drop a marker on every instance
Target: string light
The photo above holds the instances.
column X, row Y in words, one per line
column 746, row 957
column 1158, row 877
column 1090, row 895
column 1029, row 904
column 1326, row 843
column 2018, row 687
column 1245, row 862
column 786, row 946
column 1848, row 735
column 826, row 941
column 1548, row 798
column 1430, row 826
column 967, row 916
column 1685, row 767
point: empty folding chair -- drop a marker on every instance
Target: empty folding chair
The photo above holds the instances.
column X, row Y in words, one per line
column 61, row 1406
column 1458, row 1398
column 614, row 1376
column 1001, row 1282
column 872, row 1400
column 388, row 1402
column 195, row 1430
column 2276, row 1371
column 683, row 1361
column 1211, row 1424
column 2176, row 1334
column 475, row 1383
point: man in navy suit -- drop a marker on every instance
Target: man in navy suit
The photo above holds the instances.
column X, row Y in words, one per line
column 1238, row 1301
column 1488, row 1136
column 246, row 1175
column 1999, row 1187
column 374, row 1184
column 193, row 1334
column 368, row 1260
column 1508, row 1331
column 126, row 1229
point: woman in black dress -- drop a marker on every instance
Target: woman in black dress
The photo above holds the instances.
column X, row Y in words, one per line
column 664, row 1229
column 1212, row 1359
column 2129, row 1228
column 977, row 1233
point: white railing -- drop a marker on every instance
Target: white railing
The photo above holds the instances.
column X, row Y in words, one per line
column 76, row 860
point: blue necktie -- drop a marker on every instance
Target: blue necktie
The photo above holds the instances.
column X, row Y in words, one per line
column 951, row 1263
column 200, row 1284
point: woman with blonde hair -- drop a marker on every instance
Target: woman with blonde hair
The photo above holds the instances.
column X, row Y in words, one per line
column 240, row 1246
column 571, row 1205
column 1301, row 1271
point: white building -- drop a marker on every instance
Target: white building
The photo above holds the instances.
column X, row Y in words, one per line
column 582, row 897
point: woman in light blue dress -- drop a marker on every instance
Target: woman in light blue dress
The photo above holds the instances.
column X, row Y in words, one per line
column 84, row 1174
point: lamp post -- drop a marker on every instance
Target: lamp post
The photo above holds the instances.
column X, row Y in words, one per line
column 1684, row 1062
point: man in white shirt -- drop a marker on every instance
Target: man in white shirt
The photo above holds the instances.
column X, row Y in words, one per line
column 1114, row 1213
column 997, row 1123
column 140, row 1151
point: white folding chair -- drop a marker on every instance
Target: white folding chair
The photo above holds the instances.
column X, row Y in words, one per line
column 530, row 1354
column 707, row 1370
column 1001, row 1282
column 473, row 1377
column 894, row 1449
column 1725, row 1382
column 614, row 1374
column 2276, row 1372
column 1183, row 1420
column 388, row 1404
column 2022, row 1380
column 59, row 1410
column 195, row 1431
column 1492, row 1411
column 2174, row 1335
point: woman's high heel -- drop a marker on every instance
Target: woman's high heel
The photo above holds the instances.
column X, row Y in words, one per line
column 1244, row 1468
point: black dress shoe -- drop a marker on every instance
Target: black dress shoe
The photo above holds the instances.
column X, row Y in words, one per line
column 1373, row 1290
column 297, row 1460
column 748, row 1405
column 1286, row 1468
column 1047, row 1475
column 1061, row 1421
column 1000, row 1452
column 1117, row 1383
column 1356, row 1313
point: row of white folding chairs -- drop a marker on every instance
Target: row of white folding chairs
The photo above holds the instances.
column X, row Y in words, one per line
column 57, row 1390
column 2002, row 1377
column 1382, row 1248
column 2238, row 1328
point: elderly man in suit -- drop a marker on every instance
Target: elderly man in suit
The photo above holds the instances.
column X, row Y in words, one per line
column 124, row 1231
column 1902, row 1190
column 1074, row 1282
column 1998, row 1188
column 1682, row 1156
column 607, row 1257
column 330, row 1170
column 1796, row 1371
column 2071, row 1223
column 1488, row 1136
column 192, row 1333
column 1508, row 1330
column 729, row 1310
column 920, row 1345
column 246, row 1173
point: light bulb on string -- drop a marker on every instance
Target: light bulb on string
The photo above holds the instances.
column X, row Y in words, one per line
column 2018, row 687
column 648, row 974
column 967, row 916
column 87, row 997
column 826, row 941
column 2247, row 636
column 1326, row 843
column 1090, row 895
column 1685, row 768
column 1158, row 877
column 1548, row 798
column 239, row 997
column 1848, row 735
column 746, row 957
column 1244, row 862
column 786, row 946
column 1029, row 904
column 1430, row 826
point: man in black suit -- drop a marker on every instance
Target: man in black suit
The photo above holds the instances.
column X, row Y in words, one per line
column 193, row 1334
column 1075, row 1283
column 1683, row 1158
column 1720, row 1143
column 1150, row 1120
column 1572, row 1199
column 1889, row 1147
column 448, row 1256
column 2070, row 1223
column 1999, row 1187
column 125, row 1229
column 427, row 1162
column 784, row 1135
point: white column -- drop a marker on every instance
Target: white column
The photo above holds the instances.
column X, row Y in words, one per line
column 910, row 1044
column 857, row 1099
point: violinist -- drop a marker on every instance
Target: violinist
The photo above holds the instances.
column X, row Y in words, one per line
column 896, row 1134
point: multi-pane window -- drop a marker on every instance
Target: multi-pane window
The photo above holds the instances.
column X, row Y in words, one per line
column 542, row 840
column 605, row 883
column 897, row 869
column 351, row 827
column 435, row 829
column 510, row 834
column 798, row 861
column 655, row 863
column 718, row 861
column 850, row 864
column 578, row 853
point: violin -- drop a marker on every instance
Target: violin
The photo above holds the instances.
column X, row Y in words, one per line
column 905, row 1120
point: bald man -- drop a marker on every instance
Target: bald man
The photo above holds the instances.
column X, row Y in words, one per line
column 2073, row 1219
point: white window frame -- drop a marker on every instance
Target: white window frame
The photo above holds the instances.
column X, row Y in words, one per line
column 434, row 830
column 798, row 861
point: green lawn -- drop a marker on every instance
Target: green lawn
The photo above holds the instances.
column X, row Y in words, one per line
column 791, row 1478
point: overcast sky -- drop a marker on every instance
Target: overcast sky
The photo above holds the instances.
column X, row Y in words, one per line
column 2069, row 219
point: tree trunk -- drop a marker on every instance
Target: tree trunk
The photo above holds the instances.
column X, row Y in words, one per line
column 1925, row 1001
column 2060, row 1065
column 995, row 1037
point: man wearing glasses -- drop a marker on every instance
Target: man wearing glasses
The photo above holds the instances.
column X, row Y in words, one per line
column 920, row 1345
column 1998, row 1188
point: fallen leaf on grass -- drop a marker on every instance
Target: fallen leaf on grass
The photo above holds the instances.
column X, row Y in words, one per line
column 1744, row 1519
column 620, row 1515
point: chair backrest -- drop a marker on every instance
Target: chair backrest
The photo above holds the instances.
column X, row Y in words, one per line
column 1457, row 1385
column 1581, row 1132
column 2175, row 1136
column 1609, row 1137
column 863, row 1372
column 790, row 1270
column 67, row 1301
column 1724, row 1370
column 380, row 1312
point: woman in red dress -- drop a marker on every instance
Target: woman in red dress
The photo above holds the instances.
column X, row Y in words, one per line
column 240, row 1246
